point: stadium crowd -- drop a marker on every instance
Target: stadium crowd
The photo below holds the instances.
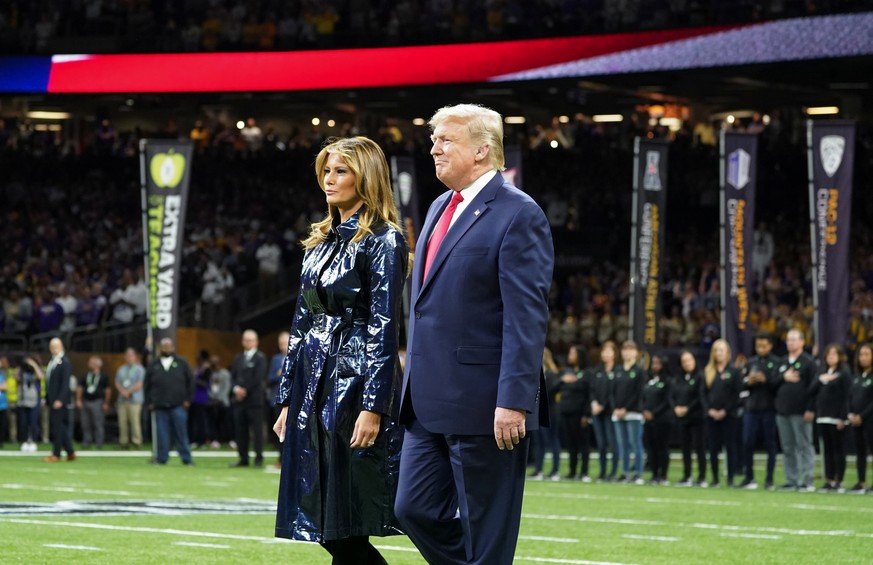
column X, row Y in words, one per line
column 51, row 26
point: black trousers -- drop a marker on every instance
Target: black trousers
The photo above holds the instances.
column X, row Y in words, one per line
column 4, row 426
column 249, row 418
column 691, row 439
column 834, row 452
column 59, row 426
column 721, row 435
column 353, row 551
column 757, row 424
column 863, row 447
column 577, row 441
column 658, row 447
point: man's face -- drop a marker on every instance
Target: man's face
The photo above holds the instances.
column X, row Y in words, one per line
column 130, row 357
column 763, row 347
column 249, row 341
column 794, row 342
column 453, row 154
column 167, row 346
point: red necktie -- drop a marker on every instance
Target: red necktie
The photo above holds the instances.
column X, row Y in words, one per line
column 440, row 230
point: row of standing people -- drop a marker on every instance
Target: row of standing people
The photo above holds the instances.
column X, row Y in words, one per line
column 725, row 407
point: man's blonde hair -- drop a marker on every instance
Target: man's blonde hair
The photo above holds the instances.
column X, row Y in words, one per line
column 484, row 125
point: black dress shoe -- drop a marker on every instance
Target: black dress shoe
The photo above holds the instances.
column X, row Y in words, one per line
column 259, row 462
column 239, row 464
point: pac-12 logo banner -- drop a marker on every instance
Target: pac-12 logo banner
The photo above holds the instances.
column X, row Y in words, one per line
column 647, row 237
column 165, row 171
column 831, row 145
column 738, row 167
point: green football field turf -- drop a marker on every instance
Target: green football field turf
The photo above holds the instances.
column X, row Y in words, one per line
column 113, row 508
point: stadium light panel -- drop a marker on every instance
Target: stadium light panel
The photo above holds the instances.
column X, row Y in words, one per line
column 822, row 110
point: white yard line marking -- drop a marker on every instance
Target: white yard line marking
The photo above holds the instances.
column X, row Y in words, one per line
column 702, row 526
column 568, row 561
column 14, row 486
column 396, row 548
column 815, row 507
column 553, row 540
column 652, row 499
column 64, row 546
column 195, row 544
column 651, row 538
column 750, row 536
column 144, row 484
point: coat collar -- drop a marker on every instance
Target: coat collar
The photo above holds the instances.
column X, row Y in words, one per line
column 346, row 230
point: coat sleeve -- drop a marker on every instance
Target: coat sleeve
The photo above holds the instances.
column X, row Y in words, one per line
column 387, row 260
column 299, row 328
column 525, row 264
column 63, row 375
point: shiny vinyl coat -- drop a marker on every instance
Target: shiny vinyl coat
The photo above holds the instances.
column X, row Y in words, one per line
column 342, row 358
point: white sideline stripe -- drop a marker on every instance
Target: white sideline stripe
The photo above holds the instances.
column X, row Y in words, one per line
column 652, row 538
column 195, row 544
column 544, row 538
column 169, row 531
column 126, row 454
column 702, row 526
column 829, row 508
column 396, row 548
column 15, row 486
column 570, row 561
column 65, row 546
column 652, row 499
column 751, row 536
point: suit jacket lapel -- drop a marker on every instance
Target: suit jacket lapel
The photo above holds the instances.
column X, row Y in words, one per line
column 421, row 245
column 475, row 210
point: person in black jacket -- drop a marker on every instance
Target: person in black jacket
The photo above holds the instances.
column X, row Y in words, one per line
column 549, row 438
column 574, row 408
column 795, row 412
column 760, row 379
column 719, row 396
column 685, row 401
column 659, row 420
column 599, row 382
column 168, row 386
column 248, row 375
column 627, row 414
column 831, row 392
column 58, row 397
column 861, row 413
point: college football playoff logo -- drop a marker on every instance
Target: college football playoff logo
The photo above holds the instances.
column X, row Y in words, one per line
column 831, row 150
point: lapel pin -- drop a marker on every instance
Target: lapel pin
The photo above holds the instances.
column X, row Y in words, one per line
column 476, row 213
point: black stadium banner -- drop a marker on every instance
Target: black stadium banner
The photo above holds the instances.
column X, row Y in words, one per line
column 512, row 172
column 165, row 172
column 738, row 166
column 647, row 238
column 831, row 146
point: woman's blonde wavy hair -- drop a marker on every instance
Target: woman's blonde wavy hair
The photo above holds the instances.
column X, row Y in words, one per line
column 372, row 185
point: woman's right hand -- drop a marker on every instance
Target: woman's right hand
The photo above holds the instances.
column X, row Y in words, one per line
column 279, row 426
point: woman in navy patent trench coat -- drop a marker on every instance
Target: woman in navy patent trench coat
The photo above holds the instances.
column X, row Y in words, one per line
column 341, row 376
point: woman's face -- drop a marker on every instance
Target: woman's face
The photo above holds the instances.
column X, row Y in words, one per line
column 657, row 365
column 865, row 357
column 572, row 357
column 688, row 362
column 628, row 354
column 719, row 352
column 607, row 355
column 832, row 358
column 339, row 184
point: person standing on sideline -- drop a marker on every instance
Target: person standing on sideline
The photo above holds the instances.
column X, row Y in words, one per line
column 759, row 419
column 169, row 384
column 128, row 384
column 548, row 440
column 795, row 413
column 685, row 399
column 274, row 376
column 831, row 391
column 4, row 400
column 340, row 382
column 248, row 373
column 58, row 397
column 574, row 409
column 600, row 380
column 473, row 383
column 720, row 394
column 659, row 419
column 92, row 399
column 219, row 404
column 625, row 395
column 861, row 413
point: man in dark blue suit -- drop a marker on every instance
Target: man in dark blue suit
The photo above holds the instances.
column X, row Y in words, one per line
column 473, row 386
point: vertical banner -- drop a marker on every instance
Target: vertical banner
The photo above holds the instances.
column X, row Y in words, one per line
column 647, row 239
column 406, row 196
column 831, row 146
column 737, row 174
column 512, row 173
column 165, row 172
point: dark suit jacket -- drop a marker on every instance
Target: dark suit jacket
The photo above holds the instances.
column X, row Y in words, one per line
column 477, row 324
column 251, row 376
column 59, row 383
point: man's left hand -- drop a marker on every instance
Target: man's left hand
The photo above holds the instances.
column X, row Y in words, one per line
column 508, row 427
